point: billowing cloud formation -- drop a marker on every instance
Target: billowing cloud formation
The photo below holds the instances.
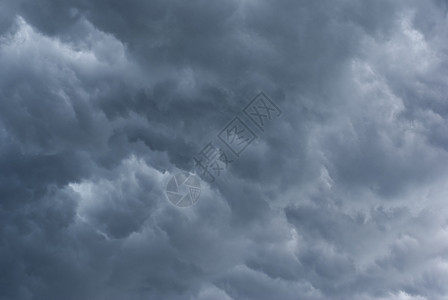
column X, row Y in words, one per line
column 342, row 197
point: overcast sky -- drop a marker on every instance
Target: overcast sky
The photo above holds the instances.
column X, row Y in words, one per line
column 341, row 196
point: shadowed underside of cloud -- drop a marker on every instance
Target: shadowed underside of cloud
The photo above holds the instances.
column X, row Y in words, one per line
column 342, row 197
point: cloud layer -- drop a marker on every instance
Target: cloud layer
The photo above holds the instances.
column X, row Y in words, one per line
column 342, row 197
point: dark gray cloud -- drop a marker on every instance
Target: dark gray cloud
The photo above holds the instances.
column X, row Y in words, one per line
column 341, row 197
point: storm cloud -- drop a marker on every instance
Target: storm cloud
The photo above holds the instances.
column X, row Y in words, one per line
column 343, row 196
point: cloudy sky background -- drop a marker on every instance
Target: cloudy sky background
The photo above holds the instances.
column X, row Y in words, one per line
column 343, row 197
